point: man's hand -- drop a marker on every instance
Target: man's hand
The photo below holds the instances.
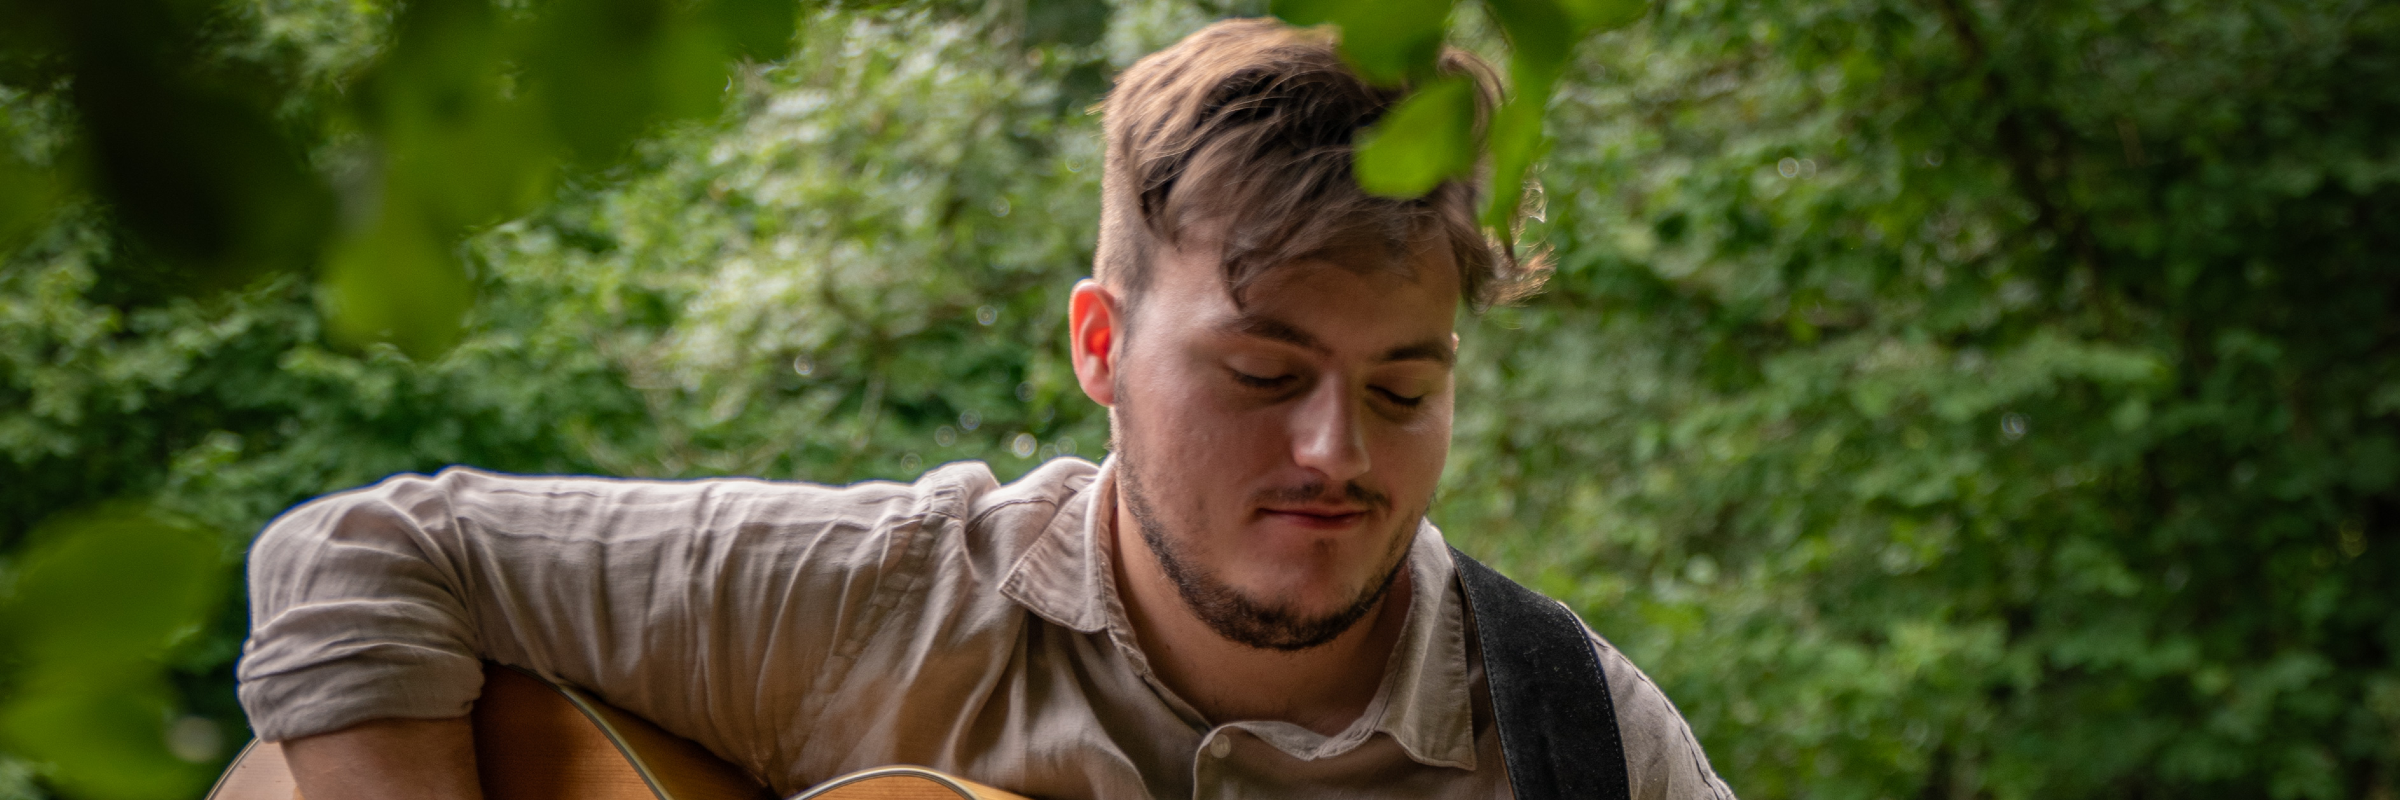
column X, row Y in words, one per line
column 388, row 759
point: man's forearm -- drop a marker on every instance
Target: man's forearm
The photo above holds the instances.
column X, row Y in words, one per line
column 387, row 759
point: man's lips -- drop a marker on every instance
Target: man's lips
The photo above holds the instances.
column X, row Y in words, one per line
column 1316, row 516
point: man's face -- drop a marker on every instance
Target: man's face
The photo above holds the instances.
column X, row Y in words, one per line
column 1279, row 455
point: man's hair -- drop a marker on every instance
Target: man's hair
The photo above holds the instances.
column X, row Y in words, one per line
column 1248, row 124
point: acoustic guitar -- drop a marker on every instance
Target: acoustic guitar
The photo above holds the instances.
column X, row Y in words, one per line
column 537, row 740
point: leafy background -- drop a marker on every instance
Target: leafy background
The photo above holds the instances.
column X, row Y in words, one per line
column 1938, row 398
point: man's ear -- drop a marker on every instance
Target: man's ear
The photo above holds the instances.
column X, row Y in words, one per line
column 1094, row 320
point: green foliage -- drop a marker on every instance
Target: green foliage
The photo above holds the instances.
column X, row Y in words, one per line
column 1388, row 42
column 1937, row 398
column 1427, row 139
column 190, row 136
column 1972, row 400
column 1396, row 43
column 90, row 603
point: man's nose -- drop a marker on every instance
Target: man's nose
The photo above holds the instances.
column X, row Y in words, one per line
column 1328, row 434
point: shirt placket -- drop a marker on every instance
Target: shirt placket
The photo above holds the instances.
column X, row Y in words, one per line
column 1213, row 775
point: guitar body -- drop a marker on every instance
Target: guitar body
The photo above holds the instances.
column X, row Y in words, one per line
column 535, row 740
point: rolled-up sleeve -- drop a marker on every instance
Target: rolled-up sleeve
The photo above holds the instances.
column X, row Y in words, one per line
column 383, row 602
column 357, row 615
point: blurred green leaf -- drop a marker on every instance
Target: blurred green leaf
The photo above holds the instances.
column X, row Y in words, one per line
column 1540, row 32
column 96, row 599
column 1542, row 35
column 397, row 281
column 460, row 146
column 605, row 69
column 1516, row 142
column 1428, row 138
column 1593, row 16
column 760, row 30
column 28, row 195
column 189, row 155
column 1069, row 22
column 101, row 736
column 205, row 178
column 109, row 587
column 1389, row 41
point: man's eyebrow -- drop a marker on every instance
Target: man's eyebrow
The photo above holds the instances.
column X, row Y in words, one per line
column 1434, row 351
column 1276, row 330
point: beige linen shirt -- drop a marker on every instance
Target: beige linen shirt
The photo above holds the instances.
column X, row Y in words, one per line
column 805, row 631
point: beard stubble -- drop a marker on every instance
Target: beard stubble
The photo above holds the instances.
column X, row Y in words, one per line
column 1238, row 617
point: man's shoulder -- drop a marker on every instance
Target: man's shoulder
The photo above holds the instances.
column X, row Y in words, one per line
column 961, row 504
column 960, row 515
column 1664, row 758
column 1000, row 523
column 1051, row 485
column 964, row 490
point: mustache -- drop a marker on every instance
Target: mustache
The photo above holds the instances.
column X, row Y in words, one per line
column 1318, row 492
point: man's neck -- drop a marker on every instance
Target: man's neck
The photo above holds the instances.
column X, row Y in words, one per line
column 1323, row 688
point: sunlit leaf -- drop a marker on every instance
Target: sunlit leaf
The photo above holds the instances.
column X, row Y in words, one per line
column 1543, row 35
column 1516, row 141
column 1429, row 138
column 1389, row 41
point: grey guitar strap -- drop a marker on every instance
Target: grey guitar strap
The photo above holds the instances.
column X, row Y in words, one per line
column 1558, row 728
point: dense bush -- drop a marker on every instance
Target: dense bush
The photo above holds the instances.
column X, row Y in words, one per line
column 1962, row 400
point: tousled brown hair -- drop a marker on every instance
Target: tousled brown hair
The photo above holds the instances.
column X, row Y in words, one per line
column 1248, row 124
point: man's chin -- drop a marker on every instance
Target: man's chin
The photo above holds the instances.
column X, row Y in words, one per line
column 1301, row 599
column 1288, row 624
column 1287, row 620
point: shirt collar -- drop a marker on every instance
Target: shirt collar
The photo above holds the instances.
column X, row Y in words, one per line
column 1062, row 577
column 1426, row 703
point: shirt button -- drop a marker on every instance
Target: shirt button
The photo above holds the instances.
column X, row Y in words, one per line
column 1220, row 746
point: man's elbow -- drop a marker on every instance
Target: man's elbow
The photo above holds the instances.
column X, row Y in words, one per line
column 387, row 759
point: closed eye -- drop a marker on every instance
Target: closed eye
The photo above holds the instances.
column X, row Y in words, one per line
column 1398, row 399
column 1260, row 381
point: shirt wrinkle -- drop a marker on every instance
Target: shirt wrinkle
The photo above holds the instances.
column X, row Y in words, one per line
column 914, row 540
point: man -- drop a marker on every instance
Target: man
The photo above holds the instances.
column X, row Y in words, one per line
column 1244, row 601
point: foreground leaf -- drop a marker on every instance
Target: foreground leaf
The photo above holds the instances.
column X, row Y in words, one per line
column 1428, row 139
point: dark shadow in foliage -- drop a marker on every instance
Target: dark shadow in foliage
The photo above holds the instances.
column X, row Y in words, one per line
column 184, row 148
